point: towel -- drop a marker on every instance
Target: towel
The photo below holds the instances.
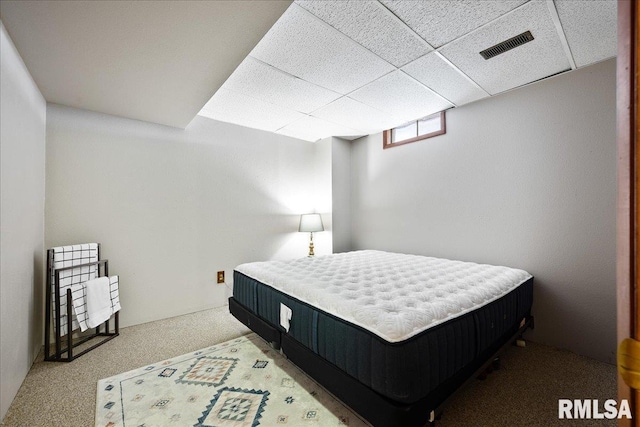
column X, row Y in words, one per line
column 80, row 301
column 115, row 296
column 79, row 304
column 68, row 256
column 98, row 301
column 285, row 316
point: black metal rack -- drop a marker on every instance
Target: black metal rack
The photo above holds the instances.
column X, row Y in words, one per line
column 54, row 300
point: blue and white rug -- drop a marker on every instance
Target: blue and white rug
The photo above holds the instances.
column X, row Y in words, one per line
column 239, row 383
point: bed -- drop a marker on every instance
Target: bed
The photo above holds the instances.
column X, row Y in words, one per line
column 391, row 335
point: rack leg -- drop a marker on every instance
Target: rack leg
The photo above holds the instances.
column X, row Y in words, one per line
column 69, row 326
column 58, row 316
column 47, row 319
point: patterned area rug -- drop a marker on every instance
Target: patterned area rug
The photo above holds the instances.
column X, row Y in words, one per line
column 239, row 383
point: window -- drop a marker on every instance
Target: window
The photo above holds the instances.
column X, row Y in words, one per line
column 417, row 130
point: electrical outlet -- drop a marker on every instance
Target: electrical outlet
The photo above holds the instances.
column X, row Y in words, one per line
column 220, row 276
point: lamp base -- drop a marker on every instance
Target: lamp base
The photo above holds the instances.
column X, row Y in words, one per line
column 311, row 244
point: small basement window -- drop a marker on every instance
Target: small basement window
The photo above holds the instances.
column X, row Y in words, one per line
column 416, row 130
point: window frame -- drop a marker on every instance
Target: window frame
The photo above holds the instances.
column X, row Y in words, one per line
column 387, row 134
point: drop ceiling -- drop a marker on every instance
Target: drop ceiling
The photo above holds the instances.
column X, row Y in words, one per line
column 157, row 61
column 350, row 68
column 308, row 69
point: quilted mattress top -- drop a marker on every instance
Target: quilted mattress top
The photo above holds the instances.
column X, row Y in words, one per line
column 395, row 296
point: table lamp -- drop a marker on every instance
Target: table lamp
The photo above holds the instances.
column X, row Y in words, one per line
column 309, row 223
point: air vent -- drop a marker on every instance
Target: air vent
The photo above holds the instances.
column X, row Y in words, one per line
column 506, row 45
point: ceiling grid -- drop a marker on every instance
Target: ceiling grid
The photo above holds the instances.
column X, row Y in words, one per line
column 431, row 51
column 308, row 69
column 563, row 38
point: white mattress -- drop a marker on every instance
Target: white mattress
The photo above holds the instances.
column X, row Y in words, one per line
column 394, row 296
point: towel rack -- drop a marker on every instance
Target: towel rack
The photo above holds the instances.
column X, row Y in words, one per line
column 77, row 272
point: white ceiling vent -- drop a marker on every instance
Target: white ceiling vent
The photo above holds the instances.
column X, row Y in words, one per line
column 506, row 45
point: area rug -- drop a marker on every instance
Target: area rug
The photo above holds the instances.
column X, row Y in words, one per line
column 239, row 383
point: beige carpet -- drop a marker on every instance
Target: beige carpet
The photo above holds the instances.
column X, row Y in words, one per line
column 524, row 392
column 526, row 389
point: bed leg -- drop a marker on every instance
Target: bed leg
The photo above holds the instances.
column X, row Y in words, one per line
column 496, row 363
column 493, row 366
column 533, row 323
column 433, row 417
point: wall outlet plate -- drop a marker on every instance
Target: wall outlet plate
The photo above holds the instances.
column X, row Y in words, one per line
column 220, row 276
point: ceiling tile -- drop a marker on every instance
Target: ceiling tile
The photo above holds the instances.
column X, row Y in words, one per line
column 304, row 46
column 262, row 81
column 542, row 57
column 234, row 107
column 439, row 22
column 373, row 26
column 399, row 94
column 312, row 129
column 590, row 28
column 435, row 73
column 345, row 111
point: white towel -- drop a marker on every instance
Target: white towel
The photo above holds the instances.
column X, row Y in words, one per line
column 68, row 256
column 285, row 316
column 99, row 307
column 115, row 295
column 79, row 302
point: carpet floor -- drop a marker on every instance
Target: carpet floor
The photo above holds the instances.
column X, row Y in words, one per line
column 524, row 392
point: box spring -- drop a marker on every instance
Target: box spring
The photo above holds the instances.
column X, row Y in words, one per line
column 403, row 372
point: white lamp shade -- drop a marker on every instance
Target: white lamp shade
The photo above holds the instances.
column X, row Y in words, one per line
column 311, row 223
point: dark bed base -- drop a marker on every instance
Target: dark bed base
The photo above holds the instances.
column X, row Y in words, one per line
column 375, row 408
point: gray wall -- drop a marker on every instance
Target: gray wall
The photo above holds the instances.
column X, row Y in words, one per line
column 22, row 157
column 525, row 179
column 341, row 194
column 171, row 207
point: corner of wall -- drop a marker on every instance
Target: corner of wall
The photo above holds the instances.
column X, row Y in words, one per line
column 23, row 139
column 341, row 194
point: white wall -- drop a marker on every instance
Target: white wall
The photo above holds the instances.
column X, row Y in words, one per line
column 171, row 207
column 22, row 175
column 341, row 194
column 525, row 179
column 322, row 198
